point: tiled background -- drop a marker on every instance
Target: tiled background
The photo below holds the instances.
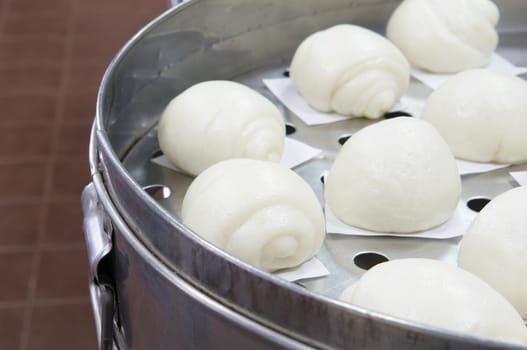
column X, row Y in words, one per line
column 52, row 56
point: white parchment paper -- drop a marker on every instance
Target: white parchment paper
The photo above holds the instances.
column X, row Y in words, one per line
column 497, row 63
column 466, row 167
column 295, row 153
column 520, row 177
column 310, row 269
column 456, row 226
column 286, row 92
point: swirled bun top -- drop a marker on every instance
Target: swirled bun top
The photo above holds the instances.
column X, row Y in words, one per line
column 397, row 175
column 445, row 36
column 217, row 120
column 258, row 211
column 350, row 70
column 482, row 116
column 495, row 246
column 438, row 294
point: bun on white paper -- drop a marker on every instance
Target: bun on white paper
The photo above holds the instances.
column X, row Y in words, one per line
column 445, row 36
column 437, row 294
column 397, row 175
column 218, row 120
column 495, row 246
column 482, row 116
column 258, row 211
column 350, row 70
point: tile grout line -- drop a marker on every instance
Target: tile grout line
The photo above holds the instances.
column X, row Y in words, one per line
column 38, row 159
column 45, row 302
column 53, row 247
column 48, row 176
column 29, row 199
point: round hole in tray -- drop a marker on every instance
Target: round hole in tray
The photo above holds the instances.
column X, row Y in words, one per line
column 395, row 114
column 323, row 177
column 343, row 138
column 299, row 284
column 158, row 192
column 156, row 154
column 477, row 203
column 289, row 129
column 367, row 260
column 286, row 73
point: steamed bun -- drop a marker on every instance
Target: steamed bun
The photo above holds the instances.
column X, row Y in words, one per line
column 258, row 211
column 482, row 116
column 440, row 295
column 397, row 175
column 445, row 36
column 495, row 246
column 218, row 120
column 350, row 70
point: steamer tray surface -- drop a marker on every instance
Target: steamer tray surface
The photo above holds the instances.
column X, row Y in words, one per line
column 339, row 250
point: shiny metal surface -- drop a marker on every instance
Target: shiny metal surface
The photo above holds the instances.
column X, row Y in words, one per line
column 245, row 41
column 98, row 245
column 96, row 233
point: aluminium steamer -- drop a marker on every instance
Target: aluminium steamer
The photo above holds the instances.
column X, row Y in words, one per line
column 156, row 285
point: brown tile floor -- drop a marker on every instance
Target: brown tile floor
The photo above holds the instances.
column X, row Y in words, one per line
column 52, row 55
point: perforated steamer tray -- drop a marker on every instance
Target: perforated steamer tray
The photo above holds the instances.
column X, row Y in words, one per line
column 132, row 132
column 340, row 252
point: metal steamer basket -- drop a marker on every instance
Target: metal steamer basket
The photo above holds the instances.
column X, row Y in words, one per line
column 157, row 285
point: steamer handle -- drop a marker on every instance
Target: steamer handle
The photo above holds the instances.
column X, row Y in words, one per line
column 97, row 235
column 107, row 310
column 97, row 230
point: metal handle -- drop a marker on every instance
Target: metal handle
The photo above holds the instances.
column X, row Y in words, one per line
column 97, row 234
column 102, row 298
column 97, row 231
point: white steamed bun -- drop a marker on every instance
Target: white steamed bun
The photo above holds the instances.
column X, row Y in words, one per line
column 438, row 294
column 397, row 175
column 445, row 36
column 495, row 246
column 350, row 70
column 482, row 116
column 258, row 211
column 217, row 120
